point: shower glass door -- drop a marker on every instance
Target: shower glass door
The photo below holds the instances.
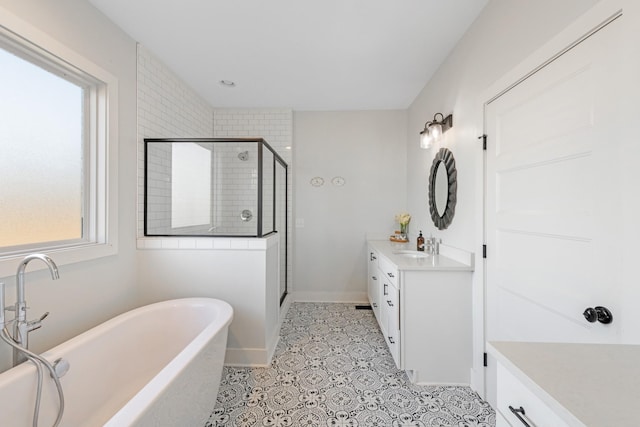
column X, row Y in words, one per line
column 268, row 176
column 281, row 208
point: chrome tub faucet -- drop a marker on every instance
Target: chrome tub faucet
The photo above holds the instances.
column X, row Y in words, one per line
column 22, row 326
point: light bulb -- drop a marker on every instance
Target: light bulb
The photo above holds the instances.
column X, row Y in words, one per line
column 425, row 139
column 436, row 131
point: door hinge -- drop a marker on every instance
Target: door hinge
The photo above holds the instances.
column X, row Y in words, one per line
column 484, row 141
column 484, row 251
column 484, row 360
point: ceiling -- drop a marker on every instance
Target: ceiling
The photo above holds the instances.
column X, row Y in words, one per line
column 299, row 54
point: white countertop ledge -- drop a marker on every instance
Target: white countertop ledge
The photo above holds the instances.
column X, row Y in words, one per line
column 440, row 262
column 584, row 384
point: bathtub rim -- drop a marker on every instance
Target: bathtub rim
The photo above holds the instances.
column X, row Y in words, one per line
column 136, row 406
column 121, row 318
column 145, row 397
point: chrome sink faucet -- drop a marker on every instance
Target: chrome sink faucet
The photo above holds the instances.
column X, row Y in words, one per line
column 433, row 245
column 22, row 326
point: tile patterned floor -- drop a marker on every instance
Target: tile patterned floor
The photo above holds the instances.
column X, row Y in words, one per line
column 332, row 368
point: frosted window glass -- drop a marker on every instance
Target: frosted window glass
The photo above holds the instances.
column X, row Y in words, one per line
column 191, row 185
column 41, row 155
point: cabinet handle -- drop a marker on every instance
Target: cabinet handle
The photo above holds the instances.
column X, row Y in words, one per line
column 374, row 277
column 384, row 289
column 390, row 275
column 391, row 340
column 372, row 257
column 517, row 413
column 390, row 303
column 398, row 310
column 374, row 304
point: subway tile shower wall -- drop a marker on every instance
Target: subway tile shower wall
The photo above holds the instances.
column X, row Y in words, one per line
column 274, row 125
column 167, row 108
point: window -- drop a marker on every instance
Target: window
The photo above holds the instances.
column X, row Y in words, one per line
column 57, row 112
column 42, row 146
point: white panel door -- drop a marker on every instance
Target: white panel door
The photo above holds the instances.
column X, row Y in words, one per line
column 551, row 228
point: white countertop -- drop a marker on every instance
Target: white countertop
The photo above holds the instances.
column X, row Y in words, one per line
column 387, row 248
column 585, row 384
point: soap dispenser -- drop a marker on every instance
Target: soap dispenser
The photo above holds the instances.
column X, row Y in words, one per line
column 420, row 242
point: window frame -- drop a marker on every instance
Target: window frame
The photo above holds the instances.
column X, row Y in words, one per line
column 100, row 177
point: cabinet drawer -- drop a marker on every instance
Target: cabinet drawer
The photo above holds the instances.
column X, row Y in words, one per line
column 374, row 292
column 500, row 421
column 392, row 306
column 383, row 319
column 373, row 258
column 512, row 393
column 389, row 270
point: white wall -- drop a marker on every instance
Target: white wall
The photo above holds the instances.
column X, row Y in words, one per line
column 504, row 34
column 88, row 292
column 367, row 149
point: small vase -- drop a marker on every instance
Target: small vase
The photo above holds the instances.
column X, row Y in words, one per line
column 404, row 231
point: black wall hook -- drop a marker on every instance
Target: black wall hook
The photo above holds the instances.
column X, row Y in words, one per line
column 598, row 313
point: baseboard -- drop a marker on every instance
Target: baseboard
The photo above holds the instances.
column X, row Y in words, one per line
column 414, row 377
column 273, row 342
column 247, row 357
column 477, row 383
column 353, row 297
column 284, row 308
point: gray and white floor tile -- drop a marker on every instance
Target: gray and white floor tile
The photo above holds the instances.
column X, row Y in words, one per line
column 332, row 368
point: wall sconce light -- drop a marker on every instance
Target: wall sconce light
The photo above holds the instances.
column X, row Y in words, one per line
column 434, row 129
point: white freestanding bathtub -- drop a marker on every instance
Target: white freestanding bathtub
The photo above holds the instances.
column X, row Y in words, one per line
column 158, row 365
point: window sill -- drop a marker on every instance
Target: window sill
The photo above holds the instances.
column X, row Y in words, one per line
column 63, row 256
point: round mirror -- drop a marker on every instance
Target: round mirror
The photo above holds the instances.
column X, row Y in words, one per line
column 443, row 188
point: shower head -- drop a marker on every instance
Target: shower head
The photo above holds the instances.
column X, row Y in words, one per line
column 243, row 156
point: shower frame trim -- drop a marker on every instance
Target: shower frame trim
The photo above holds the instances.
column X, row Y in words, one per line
column 261, row 143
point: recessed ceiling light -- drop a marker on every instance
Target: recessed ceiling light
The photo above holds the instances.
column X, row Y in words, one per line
column 227, row 83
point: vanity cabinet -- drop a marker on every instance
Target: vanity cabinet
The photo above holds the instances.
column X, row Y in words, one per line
column 424, row 313
column 518, row 407
column 566, row 384
column 373, row 286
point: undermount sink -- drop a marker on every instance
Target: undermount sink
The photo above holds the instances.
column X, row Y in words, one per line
column 412, row 254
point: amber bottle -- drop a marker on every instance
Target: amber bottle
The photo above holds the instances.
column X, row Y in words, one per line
column 420, row 242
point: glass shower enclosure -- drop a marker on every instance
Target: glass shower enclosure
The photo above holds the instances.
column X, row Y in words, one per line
column 216, row 187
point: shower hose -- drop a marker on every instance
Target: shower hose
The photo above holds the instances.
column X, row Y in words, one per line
column 39, row 361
